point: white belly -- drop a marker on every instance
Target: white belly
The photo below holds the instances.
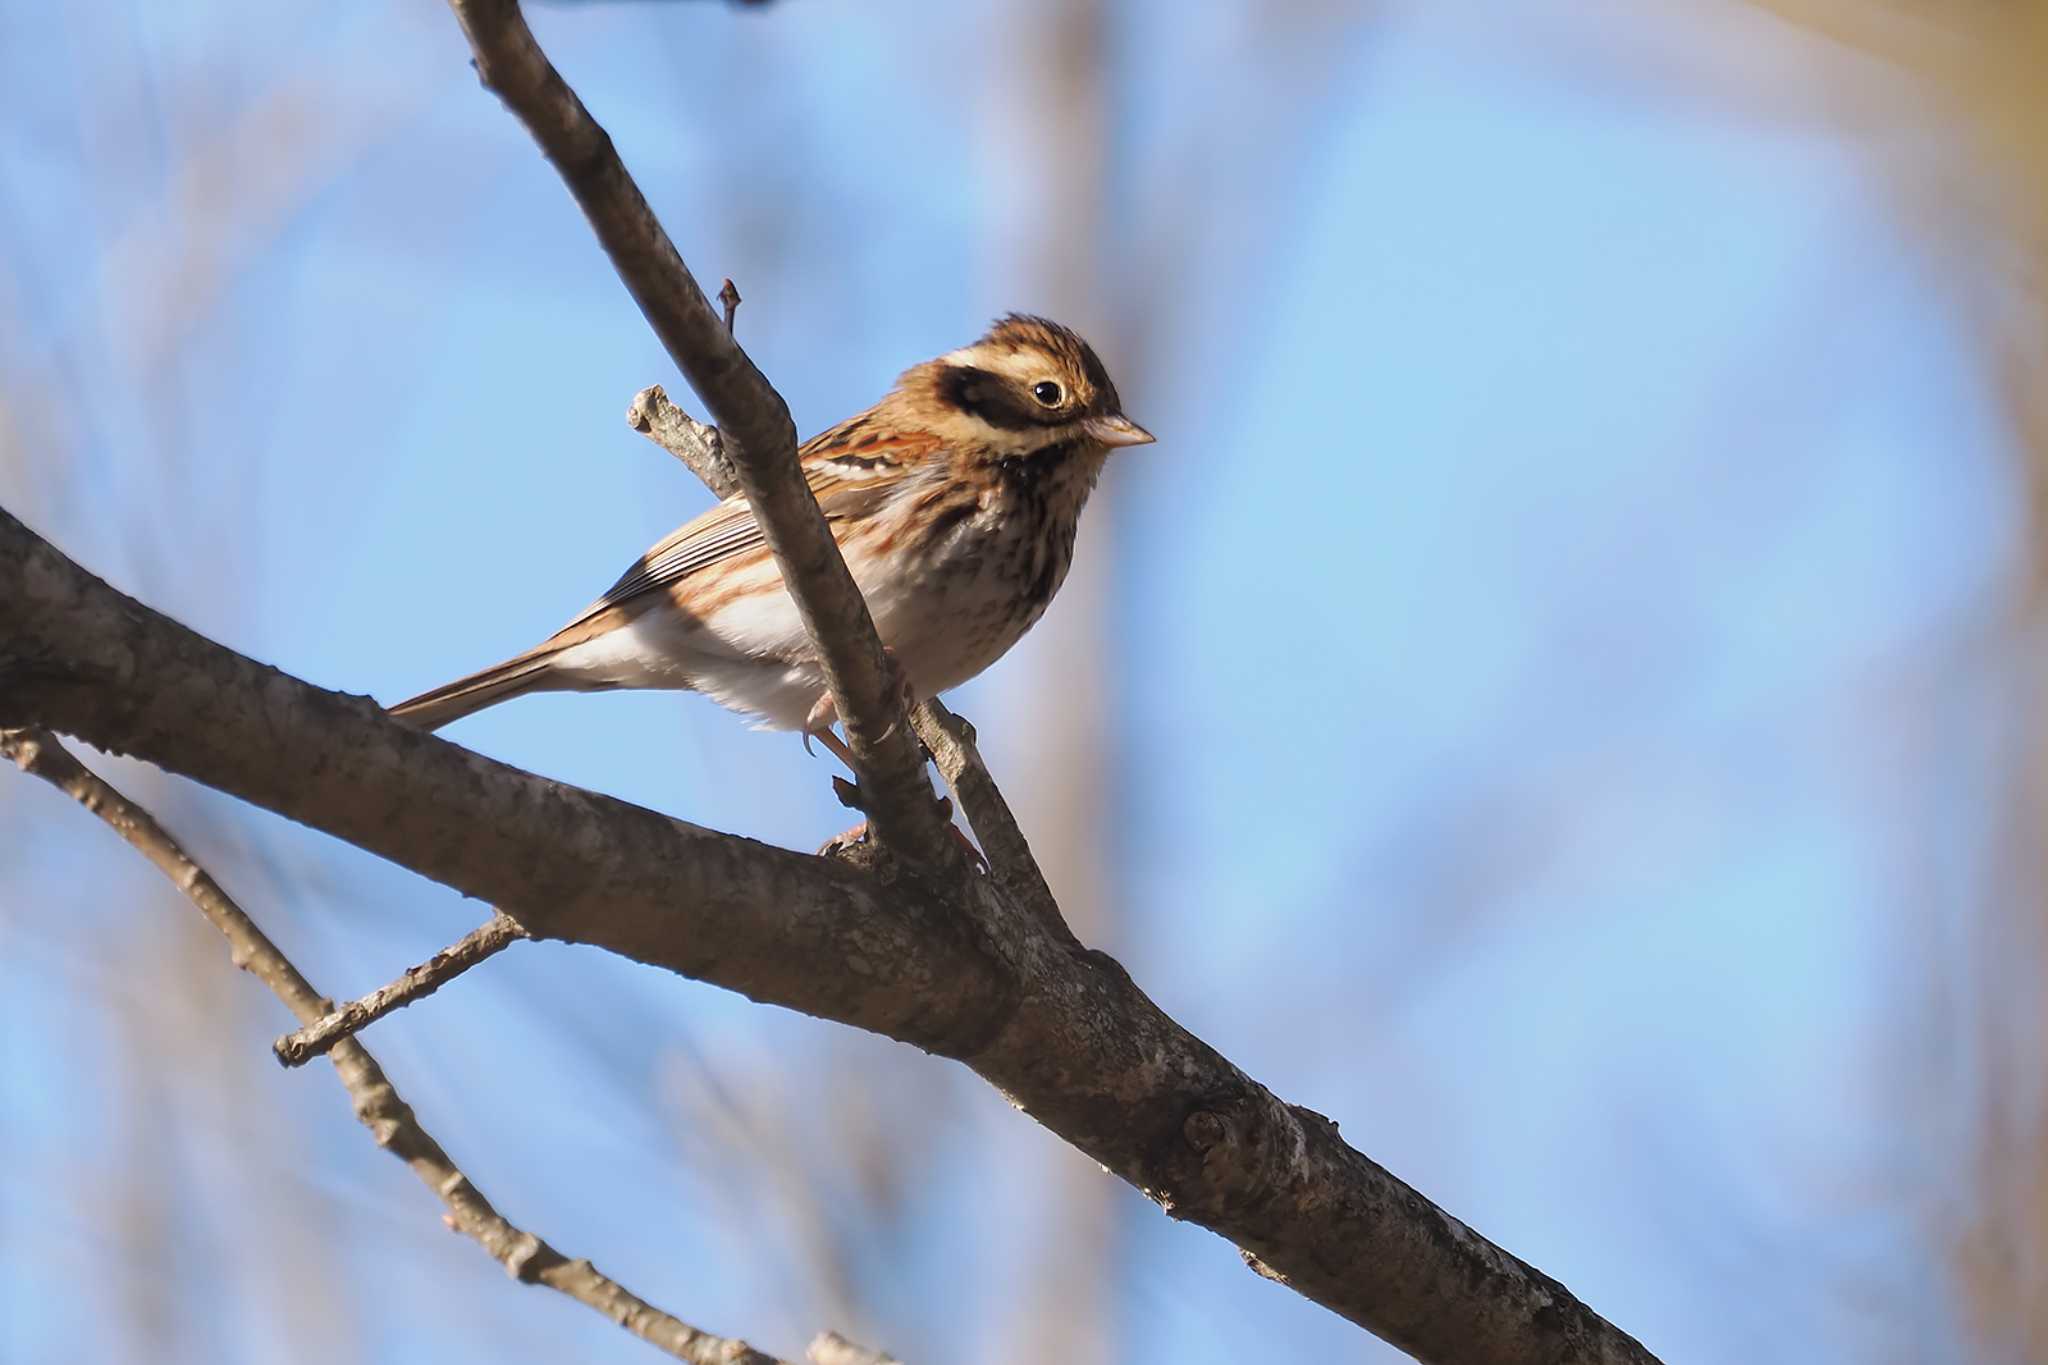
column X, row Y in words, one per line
column 945, row 620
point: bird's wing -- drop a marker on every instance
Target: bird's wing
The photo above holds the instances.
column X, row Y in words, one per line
column 850, row 468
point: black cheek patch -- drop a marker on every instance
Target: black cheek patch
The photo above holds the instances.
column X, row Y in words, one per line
column 991, row 398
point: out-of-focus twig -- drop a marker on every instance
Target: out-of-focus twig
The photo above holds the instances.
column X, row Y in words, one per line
column 318, row 1038
column 526, row 1257
column 1949, row 104
column 829, row 1348
column 754, row 1131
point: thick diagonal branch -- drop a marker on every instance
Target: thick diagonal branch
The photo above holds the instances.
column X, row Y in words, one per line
column 760, row 438
column 787, row 928
column 526, row 1257
column 965, row 972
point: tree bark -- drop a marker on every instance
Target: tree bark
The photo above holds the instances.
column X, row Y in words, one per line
column 957, row 966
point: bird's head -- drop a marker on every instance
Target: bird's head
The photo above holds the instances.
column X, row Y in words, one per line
column 1029, row 385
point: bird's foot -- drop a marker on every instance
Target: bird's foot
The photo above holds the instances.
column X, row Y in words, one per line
column 847, row 840
column 824, row 715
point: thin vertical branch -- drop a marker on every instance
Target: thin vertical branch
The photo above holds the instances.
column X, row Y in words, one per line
column 758, row 432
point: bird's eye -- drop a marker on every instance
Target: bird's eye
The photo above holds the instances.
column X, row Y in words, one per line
column 1048, row 393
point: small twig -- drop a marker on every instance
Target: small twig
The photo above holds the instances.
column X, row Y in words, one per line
column 729, row 295
column 317, row 1039
column 950, row 740
column 378, row 1105
column 700, row 447
column 829, row 1348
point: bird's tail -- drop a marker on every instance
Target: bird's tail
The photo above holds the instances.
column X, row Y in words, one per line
column 528, row 672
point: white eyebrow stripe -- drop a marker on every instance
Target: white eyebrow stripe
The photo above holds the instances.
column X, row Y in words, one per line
column 1025, row 366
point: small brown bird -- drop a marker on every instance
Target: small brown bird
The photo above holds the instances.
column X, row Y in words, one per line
column 954, row 500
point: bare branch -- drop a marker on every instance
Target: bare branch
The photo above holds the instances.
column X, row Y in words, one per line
column 957, row 970
column 951, row 742
column 758, row 433
column 526, row 1257
column 699, row 447
column 781, row 927
column 318, row 1038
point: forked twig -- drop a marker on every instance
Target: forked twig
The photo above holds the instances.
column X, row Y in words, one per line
column 525, row 1256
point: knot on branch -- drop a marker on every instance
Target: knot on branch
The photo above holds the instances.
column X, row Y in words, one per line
column 1232, row 1151
column 523, row 1260
column 1206, row 1130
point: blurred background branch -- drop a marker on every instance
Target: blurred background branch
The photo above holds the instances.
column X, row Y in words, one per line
column 392, row 1124
column 1965, row 154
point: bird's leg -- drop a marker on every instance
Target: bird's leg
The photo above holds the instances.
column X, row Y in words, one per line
column 818, row 725
column 849, row 795
column 824, row 714
column 832, row 742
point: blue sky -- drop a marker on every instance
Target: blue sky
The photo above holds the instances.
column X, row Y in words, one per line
column 1550, row 724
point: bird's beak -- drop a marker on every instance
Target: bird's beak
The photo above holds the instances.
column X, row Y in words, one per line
column 1117, row 430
